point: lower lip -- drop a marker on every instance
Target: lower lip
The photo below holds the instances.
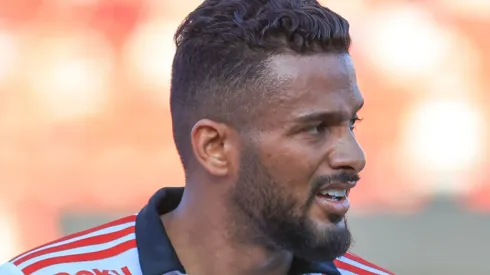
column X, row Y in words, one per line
column 339, row 207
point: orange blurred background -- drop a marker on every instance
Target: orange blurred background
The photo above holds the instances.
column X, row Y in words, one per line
column 86, row 135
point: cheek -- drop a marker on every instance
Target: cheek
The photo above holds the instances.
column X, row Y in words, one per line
column 291, row 168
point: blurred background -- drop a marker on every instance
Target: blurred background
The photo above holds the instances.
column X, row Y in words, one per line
column 86, row 137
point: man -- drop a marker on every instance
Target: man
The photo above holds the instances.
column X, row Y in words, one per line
column 264, row 101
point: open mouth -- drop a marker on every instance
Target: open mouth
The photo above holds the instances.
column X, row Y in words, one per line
column 334, row 202
column 333, row 194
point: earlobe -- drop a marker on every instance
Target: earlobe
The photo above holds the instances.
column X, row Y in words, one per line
column 208, row 141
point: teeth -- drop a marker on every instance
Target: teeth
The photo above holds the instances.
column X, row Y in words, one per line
column 335, row 192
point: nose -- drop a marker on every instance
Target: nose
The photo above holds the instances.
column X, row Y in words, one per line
column 347, row 154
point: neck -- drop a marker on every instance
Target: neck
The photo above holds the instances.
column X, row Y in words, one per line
column 202, row 234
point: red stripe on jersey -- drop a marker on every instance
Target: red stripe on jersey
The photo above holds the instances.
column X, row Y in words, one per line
column 99, row 239
column 84, row 257
column 81, row 233
column 353, row 269
column 358, row 259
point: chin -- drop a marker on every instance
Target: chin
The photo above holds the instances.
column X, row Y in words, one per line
column 330, row 224
column 327, row 249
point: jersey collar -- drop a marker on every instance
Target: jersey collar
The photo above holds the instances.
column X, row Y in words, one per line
column 156, row 253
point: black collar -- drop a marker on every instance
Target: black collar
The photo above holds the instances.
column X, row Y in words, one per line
column 156, row 253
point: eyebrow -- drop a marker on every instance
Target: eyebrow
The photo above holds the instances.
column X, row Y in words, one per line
column 332, row 116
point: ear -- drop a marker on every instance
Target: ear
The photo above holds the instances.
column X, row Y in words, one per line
column 213, row 146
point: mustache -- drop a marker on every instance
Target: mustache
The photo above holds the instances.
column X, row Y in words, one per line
column 326, row 180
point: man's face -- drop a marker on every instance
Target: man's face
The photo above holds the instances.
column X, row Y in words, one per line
column 299, row 163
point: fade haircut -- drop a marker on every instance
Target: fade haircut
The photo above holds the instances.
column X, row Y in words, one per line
column 219, row 70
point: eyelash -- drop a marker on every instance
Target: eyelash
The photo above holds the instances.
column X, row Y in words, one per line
column 353, row 122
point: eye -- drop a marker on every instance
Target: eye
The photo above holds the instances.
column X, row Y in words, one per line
column 353, row 122
column 317, row 129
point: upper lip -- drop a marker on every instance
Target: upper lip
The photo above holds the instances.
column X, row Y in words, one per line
column 339, row 185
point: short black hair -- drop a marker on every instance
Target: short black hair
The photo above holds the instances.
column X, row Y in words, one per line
column 222, row 47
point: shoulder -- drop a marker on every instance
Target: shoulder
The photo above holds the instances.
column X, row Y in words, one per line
column 351, row 264
column 103, row 249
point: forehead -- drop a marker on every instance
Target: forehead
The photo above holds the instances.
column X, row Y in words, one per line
column 324, row 82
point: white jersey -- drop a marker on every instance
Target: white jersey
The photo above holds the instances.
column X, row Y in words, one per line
column 138, row 245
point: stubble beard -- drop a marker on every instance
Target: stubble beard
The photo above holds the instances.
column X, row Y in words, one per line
column 264, row 213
